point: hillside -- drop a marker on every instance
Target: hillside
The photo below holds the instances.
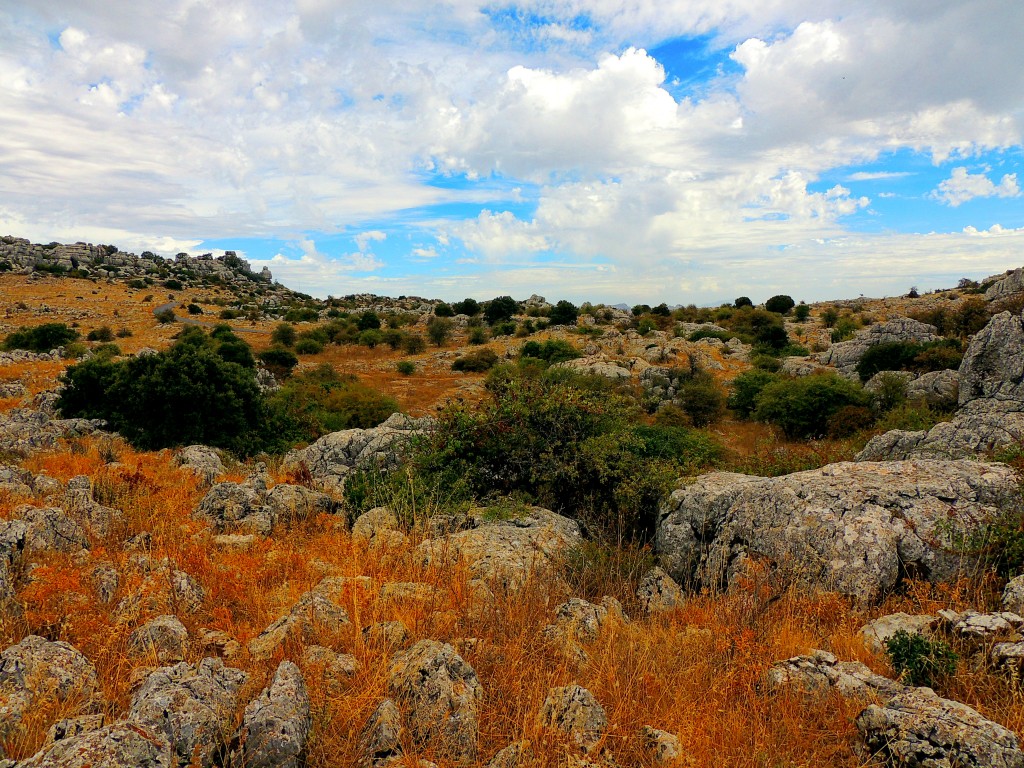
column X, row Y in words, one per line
column 722, row 536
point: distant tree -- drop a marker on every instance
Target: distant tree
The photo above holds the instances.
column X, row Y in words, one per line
column 470, row 307
column 283, row 334
column 743, row 301
column 662, row 310
column 912, row 293
column 279, row 362
column 500, row 309
column 439, row 329
column 103, row 333
column 564, row 313
column 413, row 344
column 443, row 310
column 368, row 320
column 641, row 309
column 165, row 316
column 801, row 312
column 780, row 304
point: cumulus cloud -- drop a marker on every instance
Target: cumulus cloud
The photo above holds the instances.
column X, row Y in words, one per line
column 963, row 186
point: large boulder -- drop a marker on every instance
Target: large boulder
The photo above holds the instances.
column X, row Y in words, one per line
column 918, row 728
column 25, row 432
column 203, row 461
column 277, row 723
column 192, row 707
column 38, row 670
column 1011, row 283
column 845, row 355
column 50, row 529
column 857, row 528
column 441, row 695
column 333, row 457
column 120, row 745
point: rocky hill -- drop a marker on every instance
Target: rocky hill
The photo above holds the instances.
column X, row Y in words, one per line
column 581, row 559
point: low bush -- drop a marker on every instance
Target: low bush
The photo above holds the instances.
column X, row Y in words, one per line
column 405, row 367
column 918, row 660
column 745, row 389
column 279, row 362
column 780, row 304
column 550, row 351
column 103, row 333
column 910, row 356
column 477, row 361
column 803, row 407
column 41, row 338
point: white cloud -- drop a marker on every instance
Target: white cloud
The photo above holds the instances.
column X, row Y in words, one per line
column 963, row 186
column 363, row 239
column 878, row 175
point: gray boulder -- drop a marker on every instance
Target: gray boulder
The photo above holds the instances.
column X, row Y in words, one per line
column 918, row 728
column 203, row 461
column 852, row 527
column 80, row 504
column 877, row 632
column 333, row 457
column 121, row 745
column 820, row 672
column 277, row 723
column 579, row 623
column 845, row 355
column 310, row 618
column 192, row 707
column 1012, row 283
column 660, row 746
column 658, row 592
column 1013, row 595
column 25, row 432
column 51, row 530
column 163, row 640
column 38, row 670
column 939, row 389
column 575, row 712
column 381, row 739
column 441, row 694
column 250, row 508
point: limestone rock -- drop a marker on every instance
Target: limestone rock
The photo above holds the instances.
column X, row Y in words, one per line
column 876, row 633
column 333, row 457
column 37, row 670
column 116, row 746
column 574, row 711
column 662, row 747
column 975, row 625
column 51, row 530
column 820, row 671
column 105, row 580
column 25, row 432
column 845, row 355
column 579, row 623
column 203, row 461
column 658, row 592
column 370, row 527
column 336, row 669
column 80, row 504
column 190, row 706
column 518, row 754
column 852, row 527
column 163, row 639
column 277, row 723
column 939, row 389
column 441, row 694
column 918, row 728
column 381, row 739
column 1013, row 595
column 387, row 635
column 310, row 617
column 291, row 504
column 249, row 508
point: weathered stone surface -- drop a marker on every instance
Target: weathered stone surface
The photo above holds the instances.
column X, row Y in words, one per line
column 658, row 592
column 506, row 552
column 518, row 754
column 918, row 728
column 250, row 507
column 24, row 432
column 192, row 707
column 939, row 389
column 16, row 481
column 72, row 726
column 162, row 640
column 876, row 633
column 596, row 365
column 381, row 739
column 333, row 457
column 105, row 580
column 203, row 461
column 851, row 527
column 121, row 745
column 1013, row 595
column 291, row 504
column 51, row 530
column 80, row 504
column 441, row 694
column 574, row 711
column 662, row 747
column 975, row 625
column 820, row 671
column 845, row 355
column 312, row 616
column 376, row 526
column 166, row 590
column 277, row 723
column 335, row 669
column 578, row 623
column 217, row 642
column 37, row 670
column 387, row 635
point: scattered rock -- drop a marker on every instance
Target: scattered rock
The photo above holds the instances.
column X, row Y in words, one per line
column 217, row 642
column 377, row 527
column 277, row 723
column 852, row 527
column 312, row 616
column 441, row 694
column 249, row 508
column 203, row 461
column 116, row 746
column 80, row 504
column 1013, row 595
column 658, row 592
column 939, row 389
column 574, row 711
column 845, row 355
column 578, row 623
column 336, row 669
column 163, row 640
column 387, row 635
column 918, row 728
column 190, row 706
column 518, row 754
column 661, row 746
column 38, row 670
column 381, row 740
column 105, row 580
column 51, row 530
column 876, row 633
column 977, row 626
column 821, row 671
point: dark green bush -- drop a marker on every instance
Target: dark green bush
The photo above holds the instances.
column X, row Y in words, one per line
column 173, row 285
column 910, row 356
column 283, row 334
column 499, row 310
column 702, row 399
column 194, row 309
column 393, row 338
column 439, row 329
column 368, row 320
column 371, row 337
column 780, row 304
column 442, row 309
column 801, row 312
column 708, row 333
column 413, row 344
column 279, row 362
column 918, row 660
column 802, row 407
column 477, row 361
column 470, row 307
column 405, row 367
column 745, row 389
column 551, row 351
column 477, row 335
column 564, row 313
column 103, row 333
column 165, row 316
column 41, row 338
column 503, row 328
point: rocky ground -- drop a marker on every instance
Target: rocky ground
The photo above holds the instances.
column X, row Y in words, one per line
column 179, row 609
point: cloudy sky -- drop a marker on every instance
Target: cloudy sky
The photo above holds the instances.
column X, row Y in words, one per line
column 604, row 150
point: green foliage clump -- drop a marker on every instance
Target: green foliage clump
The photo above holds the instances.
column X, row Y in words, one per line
column 743, row 301
column 41, row 338
column 477, row 361
column 701, row 399
column 910, row 356
column 780, row 305
column 311, row 346
column 413, row 344
column 173, row 285
column 477, row 335
column 405, row 367
column 103, row 333
column 801, row 312
column 439, row 329
column 284, row 334
column 918, row 660
column 803, row 407
column 550, row 351
column 442, row 309
column 279, row 362
column 564, row 313
column 470, row 307
column 745, row 390
column 708, row 333
column 500, row 309
column 165, row 316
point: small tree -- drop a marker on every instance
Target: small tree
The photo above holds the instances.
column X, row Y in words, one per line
column 470, row 307
column 780, row 304
column 439, row 329
column 801, row 312
column 443, row 309
column 284, row 334
column 743, row 301
column 500, row 309
column 165, row 316
column 564, row 313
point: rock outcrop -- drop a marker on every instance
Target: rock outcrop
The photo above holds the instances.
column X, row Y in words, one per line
column 575, row 712
column 249, row 507
column 845, row 355
column 333, row 457
column 24, row 432
column 277, row 723
column 312, row 616
column 857, row 528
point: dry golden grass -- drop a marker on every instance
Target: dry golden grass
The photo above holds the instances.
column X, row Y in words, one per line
column 696, row 672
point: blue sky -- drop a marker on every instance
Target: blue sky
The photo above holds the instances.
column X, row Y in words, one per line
column 680, row 151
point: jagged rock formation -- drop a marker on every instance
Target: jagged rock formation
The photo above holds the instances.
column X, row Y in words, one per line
column 248, row 507
column 277, row 723
column 991, row 402
column 853, row 527
column 845, row 355
column 24, row 432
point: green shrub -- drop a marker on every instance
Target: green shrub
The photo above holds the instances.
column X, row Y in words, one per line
column 442, row 309
column 891, row 392
column 480, row 360
column 414, row 344
column 103, row 333
column 165, row 316
column 564, row 313
column 194, row 309
column 503, row 328
column 844, row 328
column 829, row 316
column 368, row 320
column 173, row 285
column 802, row 407
column 780, row 304
column 371, row 337
column 279, row 362
column 301, row 315
column 701, row 399
column 801, row 312
column 918, row 660
column 743, row 301
column 439, row 329
column 405, row 367
column 550, row 351
column 499, row 310
column 708, row 333
column 393, row 338
column 477, row 335
column 107, row 350
column 745, row 389
column 41, row 338
column 283, row 334
column 909, row 356
column 470, row 307
column 229, row 314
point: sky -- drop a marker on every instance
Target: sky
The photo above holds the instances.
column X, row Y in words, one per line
column 685, row 151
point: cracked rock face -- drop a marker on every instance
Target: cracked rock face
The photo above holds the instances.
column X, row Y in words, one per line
column 116, row 746
column 574, row 711
column 441, row 695
column 277, row 723
column 853, row 527
column 918, row 728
